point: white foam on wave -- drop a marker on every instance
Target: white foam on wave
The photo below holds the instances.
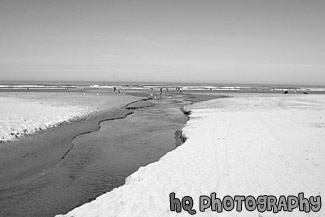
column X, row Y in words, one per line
column 34, row 86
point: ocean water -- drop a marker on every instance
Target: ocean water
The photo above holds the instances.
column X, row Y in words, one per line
column 134, row 86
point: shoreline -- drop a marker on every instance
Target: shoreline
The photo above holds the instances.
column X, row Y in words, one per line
column 92, row 122
column 179, row 135
column 32, row 163
column 33, row 145
column 29, row 113
column 285, row 130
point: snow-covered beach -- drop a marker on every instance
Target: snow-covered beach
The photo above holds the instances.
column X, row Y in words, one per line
column 244, row 145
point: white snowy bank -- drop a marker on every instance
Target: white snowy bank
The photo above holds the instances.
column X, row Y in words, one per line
column 246, row 145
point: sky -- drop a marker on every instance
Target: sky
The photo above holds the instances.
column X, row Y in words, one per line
column 210, row 41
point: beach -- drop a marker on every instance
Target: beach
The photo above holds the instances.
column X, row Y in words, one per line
column 73, row 161
column 28, row 112
column 258, row 144
column 110, row 154
column 162, row 108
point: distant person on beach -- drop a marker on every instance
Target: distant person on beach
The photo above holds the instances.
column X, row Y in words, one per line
column 114, row 89
column 161, row 91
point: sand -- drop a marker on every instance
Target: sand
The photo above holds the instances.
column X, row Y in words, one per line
column 245, row 145
column 54, row 170
column 24, row 113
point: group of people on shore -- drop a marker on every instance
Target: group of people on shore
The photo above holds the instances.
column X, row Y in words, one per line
column 122, row 90
column 177, row 89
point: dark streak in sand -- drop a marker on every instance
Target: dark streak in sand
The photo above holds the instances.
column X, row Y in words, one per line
column 130, row 106
column 94, row 130
column 179, row 137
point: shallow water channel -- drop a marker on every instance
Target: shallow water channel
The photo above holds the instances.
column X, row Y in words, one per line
column 98, row 162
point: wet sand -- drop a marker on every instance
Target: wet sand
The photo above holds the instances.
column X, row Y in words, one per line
column 51, row 172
